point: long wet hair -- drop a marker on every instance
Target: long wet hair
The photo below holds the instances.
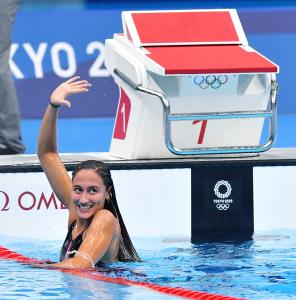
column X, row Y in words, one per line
column 127, row 252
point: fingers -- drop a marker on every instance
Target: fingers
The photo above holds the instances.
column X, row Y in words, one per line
column 72, row 79
column 67, row 103
column 80, row 82
column 78, row 90
column 72, row 82
column 80, row 86
column 71, row 86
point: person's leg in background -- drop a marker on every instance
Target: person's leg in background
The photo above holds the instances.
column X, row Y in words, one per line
column 10, row 134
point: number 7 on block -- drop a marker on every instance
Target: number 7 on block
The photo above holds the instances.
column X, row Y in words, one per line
column 202, row 130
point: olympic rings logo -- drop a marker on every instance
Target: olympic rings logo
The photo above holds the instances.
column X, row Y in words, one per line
column 222, row 206
column 228, row 189
column 211, row 80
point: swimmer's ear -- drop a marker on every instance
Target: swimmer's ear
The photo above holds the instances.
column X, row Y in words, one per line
column 108, row 195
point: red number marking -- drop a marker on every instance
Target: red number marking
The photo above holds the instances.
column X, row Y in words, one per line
column 122, row 117
column 202, row 130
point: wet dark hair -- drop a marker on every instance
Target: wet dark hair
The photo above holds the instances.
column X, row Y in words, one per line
column 127, row 252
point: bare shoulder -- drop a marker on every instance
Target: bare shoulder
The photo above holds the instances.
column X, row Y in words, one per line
column 104, row 218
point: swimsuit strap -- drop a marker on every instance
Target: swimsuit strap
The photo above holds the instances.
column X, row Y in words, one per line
column 72, row 227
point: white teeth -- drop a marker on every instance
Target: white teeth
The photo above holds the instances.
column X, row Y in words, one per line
column 84, row 207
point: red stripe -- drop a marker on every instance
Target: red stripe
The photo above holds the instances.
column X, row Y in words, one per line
column 92, row 274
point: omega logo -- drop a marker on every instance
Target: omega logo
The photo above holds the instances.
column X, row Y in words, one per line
column 29, row 201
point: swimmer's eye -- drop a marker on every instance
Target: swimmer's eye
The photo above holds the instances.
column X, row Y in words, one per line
column 77, row 189
column 93, row 190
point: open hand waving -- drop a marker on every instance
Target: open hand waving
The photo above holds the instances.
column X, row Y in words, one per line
column 69, row 87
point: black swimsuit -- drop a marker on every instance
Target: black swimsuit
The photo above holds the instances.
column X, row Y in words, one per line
column 69, row 244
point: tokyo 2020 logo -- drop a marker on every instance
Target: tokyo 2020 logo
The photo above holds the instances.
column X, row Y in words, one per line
column 222, row 190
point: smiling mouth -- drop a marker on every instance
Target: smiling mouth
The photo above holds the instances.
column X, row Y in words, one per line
column 84, row 207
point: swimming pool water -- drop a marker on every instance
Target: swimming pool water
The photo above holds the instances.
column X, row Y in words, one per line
column 264, row 268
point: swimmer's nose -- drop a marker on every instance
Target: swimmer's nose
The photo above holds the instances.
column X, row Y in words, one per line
column 83, row 198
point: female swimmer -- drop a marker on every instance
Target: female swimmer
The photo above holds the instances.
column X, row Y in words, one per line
column 96, row 231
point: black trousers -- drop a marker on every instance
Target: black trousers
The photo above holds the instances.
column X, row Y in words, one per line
column 10, row 134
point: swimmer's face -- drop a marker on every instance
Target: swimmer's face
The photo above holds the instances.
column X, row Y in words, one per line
column 89, row 193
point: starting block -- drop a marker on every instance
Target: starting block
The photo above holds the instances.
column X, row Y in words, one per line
column 189, row 84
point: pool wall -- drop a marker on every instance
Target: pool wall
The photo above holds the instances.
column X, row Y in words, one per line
column 155, row 197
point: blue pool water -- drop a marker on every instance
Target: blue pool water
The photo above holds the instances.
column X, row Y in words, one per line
column 264, row 268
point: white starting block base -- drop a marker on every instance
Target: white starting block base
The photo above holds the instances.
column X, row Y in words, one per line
column 154, row 196
column 145, row 128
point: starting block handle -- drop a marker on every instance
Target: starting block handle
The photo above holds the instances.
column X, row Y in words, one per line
column 270, row 113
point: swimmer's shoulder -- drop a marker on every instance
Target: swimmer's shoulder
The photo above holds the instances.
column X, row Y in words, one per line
column 105, row 219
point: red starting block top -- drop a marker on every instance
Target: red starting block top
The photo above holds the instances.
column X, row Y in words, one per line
column 194, row 42
column 208, row 60
column 183, row 27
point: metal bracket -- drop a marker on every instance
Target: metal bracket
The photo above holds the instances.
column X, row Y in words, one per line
column 270, row 114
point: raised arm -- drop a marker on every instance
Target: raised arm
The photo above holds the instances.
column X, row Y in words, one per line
column 47, row 142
